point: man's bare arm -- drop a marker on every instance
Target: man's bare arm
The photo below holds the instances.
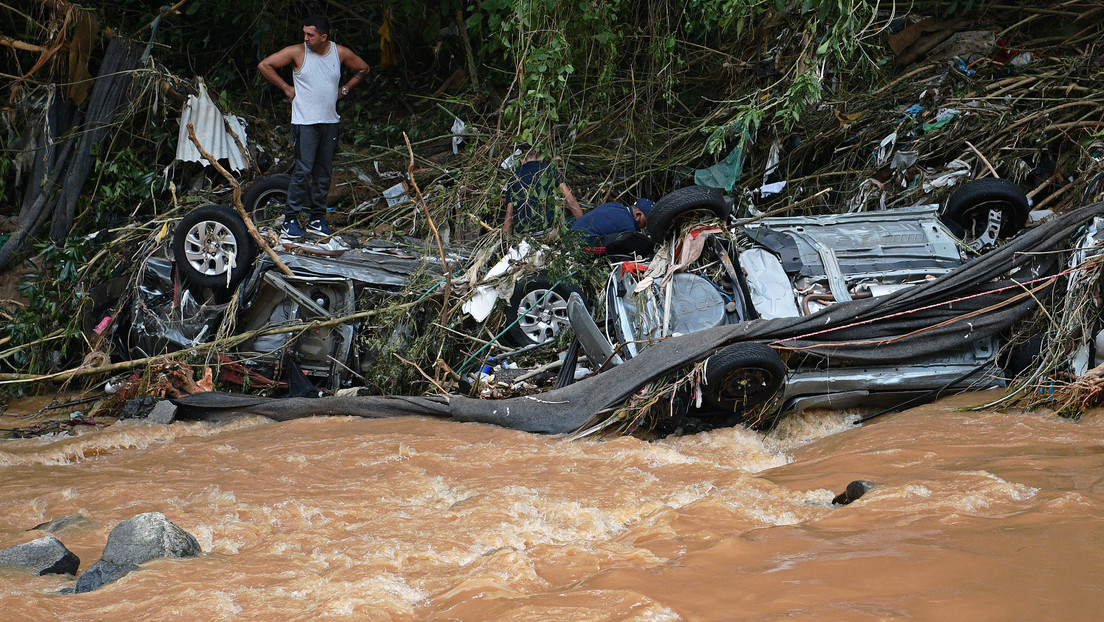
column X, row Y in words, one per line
column 508, row 221
column 354, row 62
column 572, row 203
column 283, row 58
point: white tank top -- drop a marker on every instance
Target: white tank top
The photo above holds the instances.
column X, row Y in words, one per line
column 316, row 85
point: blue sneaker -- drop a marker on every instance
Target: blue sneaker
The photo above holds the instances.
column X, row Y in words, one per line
column 291, row 229
column 319, row 227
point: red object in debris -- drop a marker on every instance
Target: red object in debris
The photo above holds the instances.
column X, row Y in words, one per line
column 234, row 372
column 1004, row 53
column 696, row 231
column 102, row 326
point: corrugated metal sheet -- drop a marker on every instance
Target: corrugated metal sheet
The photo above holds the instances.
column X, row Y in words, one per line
column 210, row 128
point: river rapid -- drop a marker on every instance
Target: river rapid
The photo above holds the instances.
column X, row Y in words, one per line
column 974, row 516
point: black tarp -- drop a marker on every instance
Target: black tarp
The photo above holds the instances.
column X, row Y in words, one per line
column 70, row 166
column 910, row 324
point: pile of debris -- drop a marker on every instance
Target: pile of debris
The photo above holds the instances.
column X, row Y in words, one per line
column 968, row 99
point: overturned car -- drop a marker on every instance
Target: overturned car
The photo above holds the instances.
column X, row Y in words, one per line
column 362, row 302
column 185, row 297
column 709, row 275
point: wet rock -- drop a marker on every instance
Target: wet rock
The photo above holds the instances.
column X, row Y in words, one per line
column 854, row 490
column 145, row 537
column 138, row 407
column 163, row 411
column 46, row 555
column 100, row 574
column 61, row 524
column 136, row 541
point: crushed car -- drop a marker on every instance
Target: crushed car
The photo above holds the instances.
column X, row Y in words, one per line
column 185, row 286
column 709, row 274
column 186, row 280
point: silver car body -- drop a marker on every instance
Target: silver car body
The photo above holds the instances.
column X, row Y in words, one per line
column 793, row 266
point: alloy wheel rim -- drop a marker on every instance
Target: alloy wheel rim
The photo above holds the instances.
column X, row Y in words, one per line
column 541, row 320
column 211, row 248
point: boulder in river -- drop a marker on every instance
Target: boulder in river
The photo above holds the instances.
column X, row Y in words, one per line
column 69, row 521
column 854, row 490
column 46, row 555
column 163, row 412
column 145, row 537
column 100, row 574
column 136, row 541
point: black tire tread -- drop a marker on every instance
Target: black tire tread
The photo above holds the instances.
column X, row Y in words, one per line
column 667, row 211
column 738, row 356
column 989, row 190
column 258, row 190
column 247, row 249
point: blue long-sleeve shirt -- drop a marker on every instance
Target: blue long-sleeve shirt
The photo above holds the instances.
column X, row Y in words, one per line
column 606, row 219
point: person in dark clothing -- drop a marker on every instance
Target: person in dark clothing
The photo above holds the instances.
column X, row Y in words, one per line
column 530, row 197
column 612, row 217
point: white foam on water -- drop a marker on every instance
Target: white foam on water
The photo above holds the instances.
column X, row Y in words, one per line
column 88, row 444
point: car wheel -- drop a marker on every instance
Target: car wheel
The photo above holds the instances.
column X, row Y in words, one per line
column 969, row 207
column 212, row 247
column 745, row 374
column 685, row 203
column 540, row 310
column 266, row 199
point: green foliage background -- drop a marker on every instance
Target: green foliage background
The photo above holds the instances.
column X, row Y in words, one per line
column 653, row 68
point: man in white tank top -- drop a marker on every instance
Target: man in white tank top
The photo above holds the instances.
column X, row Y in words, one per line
column 314, row 119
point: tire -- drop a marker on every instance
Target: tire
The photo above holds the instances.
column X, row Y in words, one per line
column 745, row 374
column 266, row 199
column 684, row 203
column 969, row 207
column 212, row 247
column 538, row 320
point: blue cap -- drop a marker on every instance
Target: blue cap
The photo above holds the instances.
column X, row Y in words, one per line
column 644, row 205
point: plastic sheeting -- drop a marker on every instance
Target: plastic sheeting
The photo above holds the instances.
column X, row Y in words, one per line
column 725, row 173
column 211, row 131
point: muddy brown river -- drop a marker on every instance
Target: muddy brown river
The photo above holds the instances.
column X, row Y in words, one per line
column 975, row 516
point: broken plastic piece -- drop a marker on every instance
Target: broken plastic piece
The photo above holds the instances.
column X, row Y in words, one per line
column 102, row 326
column 459, row 128
column 942, row 118
column 396, row 194
column 771, row 189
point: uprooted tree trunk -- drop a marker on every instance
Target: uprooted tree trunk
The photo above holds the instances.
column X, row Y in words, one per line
column 57, row 195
